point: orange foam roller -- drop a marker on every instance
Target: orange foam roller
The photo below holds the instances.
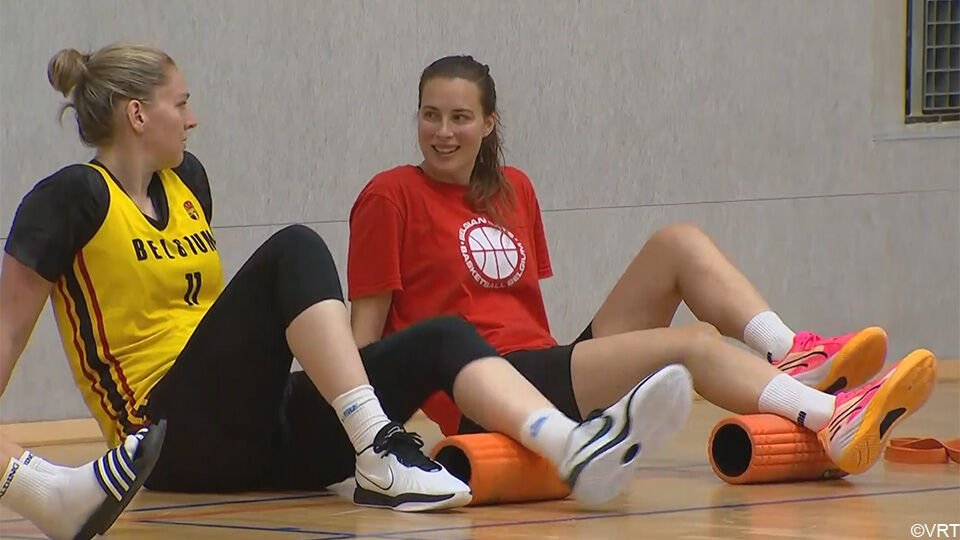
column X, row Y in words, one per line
column 763, row 448
column 499, row 469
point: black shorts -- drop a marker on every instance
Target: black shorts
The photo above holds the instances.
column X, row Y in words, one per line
column 548, row 370
column 239, row 420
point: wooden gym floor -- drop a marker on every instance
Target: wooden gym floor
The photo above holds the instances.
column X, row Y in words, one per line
column 675, row 495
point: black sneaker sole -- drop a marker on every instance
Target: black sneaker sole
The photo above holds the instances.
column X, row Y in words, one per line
column 148, row 452
column 407, row 502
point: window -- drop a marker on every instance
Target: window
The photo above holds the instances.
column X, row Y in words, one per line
column 933, row 61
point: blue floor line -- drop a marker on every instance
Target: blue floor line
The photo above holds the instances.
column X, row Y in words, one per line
column 398, row 535
column 679, row 510
column 272, row 499
column 227, row 503
column 329, row 535
column 204, row 504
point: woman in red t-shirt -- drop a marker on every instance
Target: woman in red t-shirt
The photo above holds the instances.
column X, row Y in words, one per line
column 462, row 234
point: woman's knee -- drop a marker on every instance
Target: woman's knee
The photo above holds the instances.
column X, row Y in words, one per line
column 677, row 234
column 454, row 343
column 297, row 237
column 301, row 247
column 449, row 330
column 700, row 340
column 302, row 269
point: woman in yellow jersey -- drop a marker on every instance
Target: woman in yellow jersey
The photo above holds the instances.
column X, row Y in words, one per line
column 123, row 246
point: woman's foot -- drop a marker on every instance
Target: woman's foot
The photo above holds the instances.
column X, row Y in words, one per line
column 835, row 364
column 863, row 419
column 76, row 503
column 602, row 452
column 394, row 473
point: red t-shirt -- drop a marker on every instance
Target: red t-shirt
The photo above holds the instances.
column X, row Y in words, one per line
column 420, row 239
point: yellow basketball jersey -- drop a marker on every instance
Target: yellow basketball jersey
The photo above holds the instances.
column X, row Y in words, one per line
column 132, row 298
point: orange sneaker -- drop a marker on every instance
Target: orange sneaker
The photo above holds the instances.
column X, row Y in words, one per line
column 836, row 363
column 863, row 419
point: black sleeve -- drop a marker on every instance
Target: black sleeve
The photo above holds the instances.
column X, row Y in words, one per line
column 195, row 177
column 57, row 218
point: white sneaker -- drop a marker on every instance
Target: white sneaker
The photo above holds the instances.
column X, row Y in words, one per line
column 394, row 473
column 602, row 452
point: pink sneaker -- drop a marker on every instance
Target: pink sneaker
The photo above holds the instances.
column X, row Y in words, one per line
column 834, row 364
column 863, row 419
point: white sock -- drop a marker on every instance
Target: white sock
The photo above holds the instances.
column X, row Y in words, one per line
column 766, row 333
column 58, row 504
column 546, row 432
column 362, row 416
column 38, row 463
column 55, row 498
column 797, row 402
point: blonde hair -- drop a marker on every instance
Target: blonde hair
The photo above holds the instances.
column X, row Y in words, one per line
column 95, row 83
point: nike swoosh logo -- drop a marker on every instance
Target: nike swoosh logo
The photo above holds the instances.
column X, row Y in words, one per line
column 607, row 424
column 575, row 474
column 854, row 407
column 608, row 421
column 834, row 429
column 371, row 480
column 808, row 355
column 624, row 432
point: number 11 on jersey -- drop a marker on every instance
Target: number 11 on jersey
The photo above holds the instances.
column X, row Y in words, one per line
column 193, row 288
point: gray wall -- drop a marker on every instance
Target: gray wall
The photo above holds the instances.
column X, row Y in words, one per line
column 776, row 126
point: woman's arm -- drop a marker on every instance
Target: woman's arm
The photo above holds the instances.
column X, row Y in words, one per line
column 368, row 315
column 22, row 296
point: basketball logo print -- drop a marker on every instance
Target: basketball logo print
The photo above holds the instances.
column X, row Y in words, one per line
column 494, row 256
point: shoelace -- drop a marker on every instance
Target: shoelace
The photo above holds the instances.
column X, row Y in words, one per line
column 406, row 446
column 806, row 340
